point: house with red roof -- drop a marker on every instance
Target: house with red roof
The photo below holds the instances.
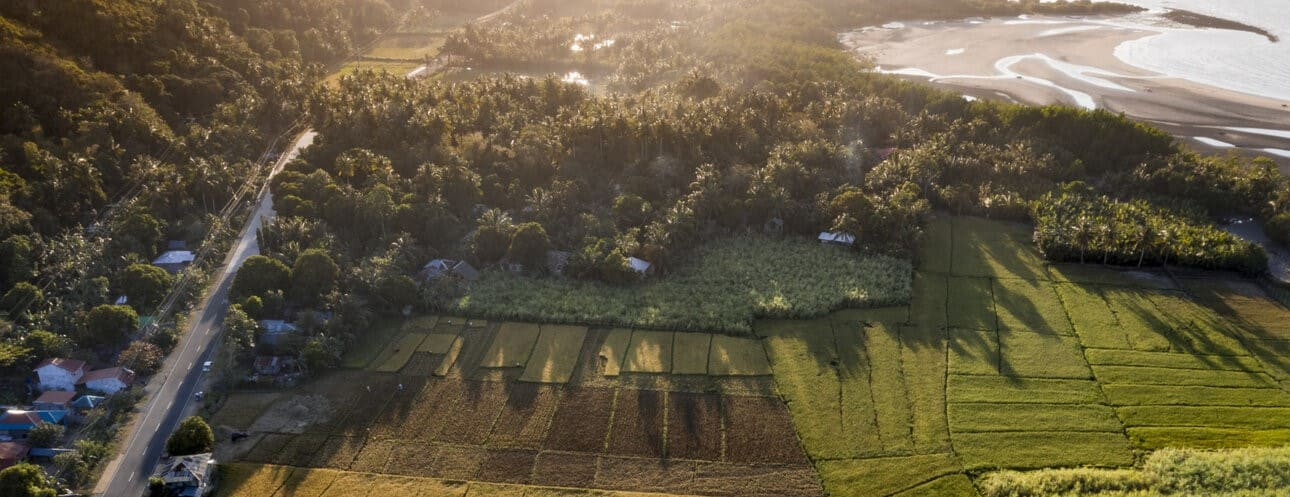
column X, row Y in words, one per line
column 60, row 374
column 54, row 400
column 17, row 423
column 108, row 380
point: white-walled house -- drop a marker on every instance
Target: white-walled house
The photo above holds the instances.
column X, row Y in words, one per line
column 60, row 374
column 109, row 380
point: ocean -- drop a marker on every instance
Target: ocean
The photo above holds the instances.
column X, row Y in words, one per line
column 1240, row 61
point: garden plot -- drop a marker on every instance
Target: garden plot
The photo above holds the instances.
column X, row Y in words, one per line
column 735, row 356
column 524, row 419
column 694, row 426
column 638, row 424
column 614, row 349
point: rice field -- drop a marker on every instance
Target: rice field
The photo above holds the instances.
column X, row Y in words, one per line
column 997, row 362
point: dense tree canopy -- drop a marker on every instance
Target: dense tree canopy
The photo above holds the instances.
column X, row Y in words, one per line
column 192, row 436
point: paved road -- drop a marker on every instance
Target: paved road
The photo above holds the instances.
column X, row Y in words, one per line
column 171, row 390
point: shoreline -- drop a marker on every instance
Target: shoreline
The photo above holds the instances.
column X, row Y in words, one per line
column 1199, row 20
column 1074, row 61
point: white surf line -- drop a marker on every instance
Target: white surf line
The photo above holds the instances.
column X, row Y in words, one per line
column 1275, row 133
column 955, row 51
column 1212, row 142
column 1067, row 30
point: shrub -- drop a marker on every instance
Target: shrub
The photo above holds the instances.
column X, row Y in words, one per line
column 193, row 436
column 260, row 275
column 46, row 435
column 141, row 357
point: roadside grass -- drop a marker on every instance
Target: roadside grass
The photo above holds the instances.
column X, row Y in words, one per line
column 555, row 354
column 690, row 353
column 722, row 288
column 397, row 353
column 512, row 345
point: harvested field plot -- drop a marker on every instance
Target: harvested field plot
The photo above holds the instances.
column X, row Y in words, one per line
column 565, row 469
column 582, row 420
column 250, row 480
column 473, row 412
column 1029, row 305
column 511, row 346
column 1029, row 450
column 422, row 364
column 884, row 476
column 757, row 429
column 305, row 481
column 373, row 456
column 734, row 356
column 337, row 452
column 300, row 450
column 412, row 459
column 690, row 353
column 455, row 462
column 524, row 419
column 694, row 426
column 555, row 354
column 971, row 304
column 638, row 424
column 360, row 354
column 397, row 353
column 508, row 466
column 650, row 475
column 649, row 352
column 754, row 481
column 614, row 349
column 268, row 448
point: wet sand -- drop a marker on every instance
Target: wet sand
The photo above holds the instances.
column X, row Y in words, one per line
column 1044, row 60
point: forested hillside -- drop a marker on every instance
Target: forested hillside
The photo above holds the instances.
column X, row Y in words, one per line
column 127, row 123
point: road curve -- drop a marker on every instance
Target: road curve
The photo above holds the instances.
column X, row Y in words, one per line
column 171, row 389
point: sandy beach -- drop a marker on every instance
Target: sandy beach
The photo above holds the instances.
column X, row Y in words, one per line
column 1080, row 62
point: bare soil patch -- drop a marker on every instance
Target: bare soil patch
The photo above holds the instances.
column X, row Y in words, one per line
column 472, row 413
column 760, row 430
column 524, row 419
column 581, row 420
column 755, row 481
column 458, row 463
column 508, row 466
column 412, row 459
column 295, row 414
column 337, row 452
column 694, row 426
column 645, row 475
column 561, row 469
column 373, row 457
column 638, row 424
